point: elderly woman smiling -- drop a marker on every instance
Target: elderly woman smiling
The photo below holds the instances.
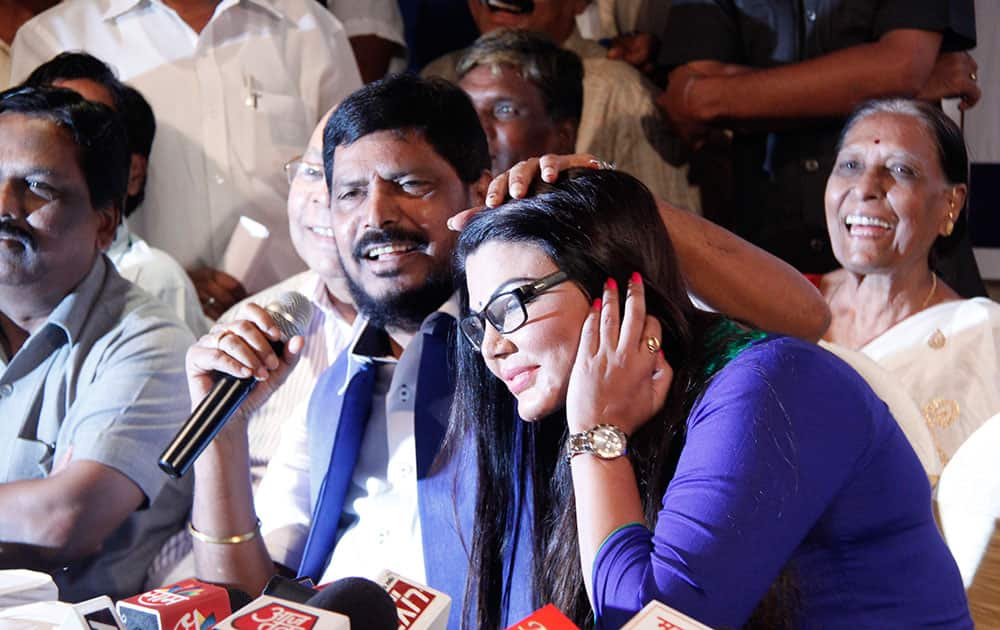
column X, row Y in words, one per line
column 893, row 202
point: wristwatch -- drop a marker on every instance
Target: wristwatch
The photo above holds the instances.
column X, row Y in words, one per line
column 604, row 441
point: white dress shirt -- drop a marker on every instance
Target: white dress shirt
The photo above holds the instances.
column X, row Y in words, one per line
column 381, row 503
column 232, row 103
column 155, row 272
column 370, row 17
column 325, row 338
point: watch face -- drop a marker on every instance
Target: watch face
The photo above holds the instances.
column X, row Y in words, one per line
column 607, row 442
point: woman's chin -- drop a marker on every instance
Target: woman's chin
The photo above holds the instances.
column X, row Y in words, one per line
column 531, row 410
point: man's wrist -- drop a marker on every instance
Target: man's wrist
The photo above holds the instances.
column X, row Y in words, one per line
column 704, row 98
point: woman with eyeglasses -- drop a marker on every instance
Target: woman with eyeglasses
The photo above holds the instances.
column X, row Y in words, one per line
column 645, row 450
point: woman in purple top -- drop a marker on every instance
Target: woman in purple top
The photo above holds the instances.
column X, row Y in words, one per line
column 666, row 453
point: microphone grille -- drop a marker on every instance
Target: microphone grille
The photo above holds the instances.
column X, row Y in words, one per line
column 291, row 313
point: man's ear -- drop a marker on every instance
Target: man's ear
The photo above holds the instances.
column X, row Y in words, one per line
column 109, row 217
column 479, row 188
column 137, row 174
column 566, row 136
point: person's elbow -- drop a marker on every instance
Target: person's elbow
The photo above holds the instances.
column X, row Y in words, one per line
column 815, row 319
column 69, row 532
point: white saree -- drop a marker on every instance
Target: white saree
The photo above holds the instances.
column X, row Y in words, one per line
column 948, row 358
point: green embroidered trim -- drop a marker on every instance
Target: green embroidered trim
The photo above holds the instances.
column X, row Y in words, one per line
column 731, row 339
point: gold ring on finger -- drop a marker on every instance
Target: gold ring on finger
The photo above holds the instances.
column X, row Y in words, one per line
column 652, row 344
column 972, row 75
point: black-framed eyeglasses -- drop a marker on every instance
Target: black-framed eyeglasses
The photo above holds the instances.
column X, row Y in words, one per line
column 507, row 311
column 309, row 172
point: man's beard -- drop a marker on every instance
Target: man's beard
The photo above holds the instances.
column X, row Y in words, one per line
column 406, row 309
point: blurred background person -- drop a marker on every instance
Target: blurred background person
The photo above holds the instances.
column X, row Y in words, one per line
column 14, row 13
column 528, row 94
column 152, row 269
column 619, row 120
column 237, row 88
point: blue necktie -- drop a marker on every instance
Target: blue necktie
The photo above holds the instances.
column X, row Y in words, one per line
column 354, row 413
column 435, row 385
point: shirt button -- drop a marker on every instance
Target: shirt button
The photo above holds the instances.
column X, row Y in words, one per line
column 811, row 15
column 810, row 165
column 404, row 393
column 406, row 470
column 6, row 389
column 382, row 536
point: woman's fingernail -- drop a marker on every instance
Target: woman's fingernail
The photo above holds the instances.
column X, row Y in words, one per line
column 450, row 223
column 597, row 304
column 548, row 172
column 612, row 284
column 636, row 278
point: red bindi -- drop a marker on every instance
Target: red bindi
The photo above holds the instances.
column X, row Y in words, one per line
column 877, row 141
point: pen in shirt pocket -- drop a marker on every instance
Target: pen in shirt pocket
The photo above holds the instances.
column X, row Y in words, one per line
column 253, row 93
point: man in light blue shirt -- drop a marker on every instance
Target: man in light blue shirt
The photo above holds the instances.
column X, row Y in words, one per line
column 91, row 378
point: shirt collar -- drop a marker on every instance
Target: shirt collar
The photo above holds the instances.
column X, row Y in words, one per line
column 121, row 244
column 369, row 343
column 72, row 313
column 583, row 47
column 117, row 8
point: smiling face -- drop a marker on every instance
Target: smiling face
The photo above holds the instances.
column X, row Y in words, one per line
column 309, row 218
column 555, row 18
column 513, row 115
column 391, row 197
column 534, row 361
column 49, row 232
column 887, row 199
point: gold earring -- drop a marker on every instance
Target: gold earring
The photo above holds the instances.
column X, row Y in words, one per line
column 949, row 227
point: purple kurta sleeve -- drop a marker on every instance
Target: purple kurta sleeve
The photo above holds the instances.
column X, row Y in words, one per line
column 768, row 446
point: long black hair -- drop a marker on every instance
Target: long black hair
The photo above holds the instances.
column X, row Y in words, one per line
column 593, row 225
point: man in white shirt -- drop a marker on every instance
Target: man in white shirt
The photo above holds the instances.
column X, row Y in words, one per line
column 409, row 154
column 237, row 87
column 375, row 30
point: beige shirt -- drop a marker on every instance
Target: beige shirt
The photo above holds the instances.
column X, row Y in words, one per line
column 620, row 122
column 618, row 17
column 4, row 65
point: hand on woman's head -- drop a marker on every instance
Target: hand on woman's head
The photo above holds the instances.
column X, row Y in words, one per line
column 516, row 182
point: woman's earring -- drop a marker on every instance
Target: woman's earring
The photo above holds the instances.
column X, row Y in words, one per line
column 949, row 227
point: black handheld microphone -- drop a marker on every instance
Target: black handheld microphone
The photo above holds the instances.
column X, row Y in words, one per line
column 291, row 314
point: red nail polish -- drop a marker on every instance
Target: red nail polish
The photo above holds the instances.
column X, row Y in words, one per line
column 636, row 278
column 612, row 284
column 597, row 304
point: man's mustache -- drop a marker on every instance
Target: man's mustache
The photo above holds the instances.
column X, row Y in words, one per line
column 9, row 230
column 386, row 236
